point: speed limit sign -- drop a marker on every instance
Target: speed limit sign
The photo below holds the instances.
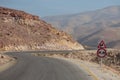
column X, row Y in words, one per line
column 101, row 53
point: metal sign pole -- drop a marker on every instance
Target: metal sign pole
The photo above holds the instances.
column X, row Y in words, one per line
column 101, row 63
column 101, row 52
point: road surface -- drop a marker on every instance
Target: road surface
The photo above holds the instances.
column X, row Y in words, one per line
column 29, row 67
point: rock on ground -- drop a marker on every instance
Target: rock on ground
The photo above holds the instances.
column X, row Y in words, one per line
column 5, row 59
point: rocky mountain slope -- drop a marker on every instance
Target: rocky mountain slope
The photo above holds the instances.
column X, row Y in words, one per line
column 90, row 27
column 22, row 31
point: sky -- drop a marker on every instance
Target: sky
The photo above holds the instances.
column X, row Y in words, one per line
column 44, row 8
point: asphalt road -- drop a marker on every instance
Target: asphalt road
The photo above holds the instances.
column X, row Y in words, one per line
column 29, row 67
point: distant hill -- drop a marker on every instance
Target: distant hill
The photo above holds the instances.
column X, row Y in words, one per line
column 22, row 31
column 92, row 26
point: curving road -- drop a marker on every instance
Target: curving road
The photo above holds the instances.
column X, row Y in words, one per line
column 29, row 67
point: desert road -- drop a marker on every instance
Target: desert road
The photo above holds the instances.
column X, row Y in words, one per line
column 29, row 67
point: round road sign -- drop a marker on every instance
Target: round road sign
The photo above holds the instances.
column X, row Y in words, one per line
column 101, row 53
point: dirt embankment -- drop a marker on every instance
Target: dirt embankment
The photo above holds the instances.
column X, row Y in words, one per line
column 5, row 59
column 112, row 60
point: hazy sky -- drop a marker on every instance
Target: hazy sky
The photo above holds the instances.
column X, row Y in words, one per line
column 57, row 7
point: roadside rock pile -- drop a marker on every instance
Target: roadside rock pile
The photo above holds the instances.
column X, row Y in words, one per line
column 5, row 59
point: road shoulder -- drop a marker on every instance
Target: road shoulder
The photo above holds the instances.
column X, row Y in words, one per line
column 94, row 69
column 6, row 62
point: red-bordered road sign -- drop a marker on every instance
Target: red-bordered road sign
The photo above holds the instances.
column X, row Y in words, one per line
column 101, row 45
column 101, row 53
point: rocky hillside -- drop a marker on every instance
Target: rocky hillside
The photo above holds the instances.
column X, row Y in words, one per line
column 90, row 27
column 22, row 31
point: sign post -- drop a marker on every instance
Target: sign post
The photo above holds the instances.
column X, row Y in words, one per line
column 101, row 52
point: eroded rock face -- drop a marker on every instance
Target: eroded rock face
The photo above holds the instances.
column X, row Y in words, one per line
column 17, row 14
column 23, row 31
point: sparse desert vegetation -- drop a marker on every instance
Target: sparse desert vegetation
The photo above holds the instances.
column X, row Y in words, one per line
column 111, row 60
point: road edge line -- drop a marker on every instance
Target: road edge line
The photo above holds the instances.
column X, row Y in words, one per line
column 89, row 71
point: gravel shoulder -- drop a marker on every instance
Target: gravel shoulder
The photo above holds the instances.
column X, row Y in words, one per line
column 95, row 70
column 102, row 73
column 6, row 62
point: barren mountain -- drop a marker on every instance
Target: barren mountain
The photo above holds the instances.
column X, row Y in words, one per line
column 22, row 31
column 91, row 27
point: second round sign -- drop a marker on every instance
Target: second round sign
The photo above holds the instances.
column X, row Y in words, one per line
column 101, row 53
